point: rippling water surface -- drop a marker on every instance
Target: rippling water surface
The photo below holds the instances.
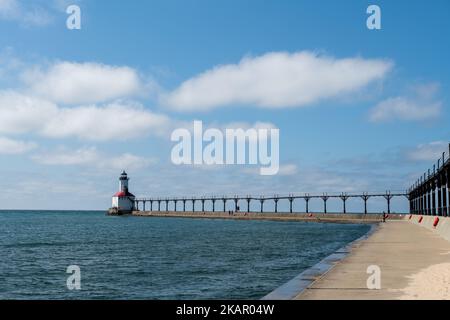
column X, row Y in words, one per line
column 157, row 258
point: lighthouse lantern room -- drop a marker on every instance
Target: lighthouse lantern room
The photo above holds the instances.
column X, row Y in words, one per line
column 123, row 200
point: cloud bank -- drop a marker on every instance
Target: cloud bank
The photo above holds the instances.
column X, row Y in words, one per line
column 81, row 83
column 10, row 146
column 90, row 156
column 276, row 80
column 428, row 152
column 120, row 120
column 26, row 14
column 420, row 105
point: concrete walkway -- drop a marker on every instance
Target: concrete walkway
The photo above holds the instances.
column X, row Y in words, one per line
column 403, row 251
column 280, row 216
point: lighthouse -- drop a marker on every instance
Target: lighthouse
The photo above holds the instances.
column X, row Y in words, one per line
column 123, row 200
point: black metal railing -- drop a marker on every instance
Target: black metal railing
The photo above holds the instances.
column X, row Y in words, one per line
column 429, row 195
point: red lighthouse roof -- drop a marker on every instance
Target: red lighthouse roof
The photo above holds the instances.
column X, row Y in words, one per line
column 123, row 194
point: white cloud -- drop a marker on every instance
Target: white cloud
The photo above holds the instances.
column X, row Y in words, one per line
column 68, row 157
column 276, row 80
column 8, row 7
column 10, row 146
column 246, row 125
column 403, row 108
column 258, row 125
column 319, row 180
column 429, row 152
column 25, row 114
column 61, row 5
column 9, row 63
column 26, row 14
column 421, row 105
column 22, row 114
column 80, row 83
column 128, row 161
column 288, row 170
column 284, row 170
column 90, row 156
column 113, row 121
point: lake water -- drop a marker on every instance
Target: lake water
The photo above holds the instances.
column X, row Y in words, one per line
column 157, row 258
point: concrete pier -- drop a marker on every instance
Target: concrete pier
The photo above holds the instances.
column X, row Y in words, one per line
column 273, row 216
column 413, row 257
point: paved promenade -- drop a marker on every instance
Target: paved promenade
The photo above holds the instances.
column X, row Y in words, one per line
column 414, row 263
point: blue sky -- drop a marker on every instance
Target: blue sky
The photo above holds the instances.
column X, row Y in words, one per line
column 384, row 124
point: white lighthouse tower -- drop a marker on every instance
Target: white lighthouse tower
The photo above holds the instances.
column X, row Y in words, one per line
column 123, row 200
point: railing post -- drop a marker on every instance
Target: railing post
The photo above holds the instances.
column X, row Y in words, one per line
column 344, row 198
column 444, row 195
column 439, row 198
column 388, row 198
column 425, row 196
column 307, row 198
column 448, row 190
column 425, row 201
column 291, row 200
column 429, row 200
column 389, row 205
column 365, row 197
column 411, row 205
column 325, row 199
column 417, row 202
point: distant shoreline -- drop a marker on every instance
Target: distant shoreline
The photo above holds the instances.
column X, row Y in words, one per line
column 52, row 210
